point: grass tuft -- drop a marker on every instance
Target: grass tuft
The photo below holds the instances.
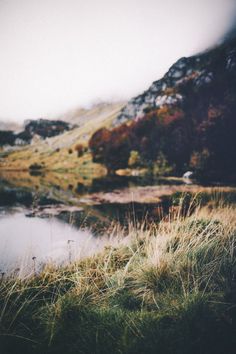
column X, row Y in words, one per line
column 167, row 288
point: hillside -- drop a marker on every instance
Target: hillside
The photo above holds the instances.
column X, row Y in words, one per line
column 186, row 120
column 61, row 152
column 98, row 112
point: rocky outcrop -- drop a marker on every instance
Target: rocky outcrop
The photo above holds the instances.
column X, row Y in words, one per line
column 42, row 128
column 199, row 71
column 185, row 121
column 46, row 128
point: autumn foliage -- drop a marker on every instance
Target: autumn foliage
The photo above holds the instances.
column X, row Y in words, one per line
column 198, row 133
column 79, row 148
column 147, row 136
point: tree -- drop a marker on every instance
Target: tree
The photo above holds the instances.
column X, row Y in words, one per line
column 79, row 148
column 112, row 148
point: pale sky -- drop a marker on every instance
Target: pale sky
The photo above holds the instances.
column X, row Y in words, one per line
column 56, row 55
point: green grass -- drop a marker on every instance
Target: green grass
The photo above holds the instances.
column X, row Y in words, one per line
column 168, row 288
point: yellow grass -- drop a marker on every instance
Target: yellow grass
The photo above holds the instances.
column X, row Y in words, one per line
column 53, row 152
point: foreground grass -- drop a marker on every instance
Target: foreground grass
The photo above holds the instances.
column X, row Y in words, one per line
column 168, row 288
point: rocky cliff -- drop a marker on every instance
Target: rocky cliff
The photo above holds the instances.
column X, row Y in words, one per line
column 186, row 119
column 201, row 71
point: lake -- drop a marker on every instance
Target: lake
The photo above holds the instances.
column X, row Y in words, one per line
column 57, row 218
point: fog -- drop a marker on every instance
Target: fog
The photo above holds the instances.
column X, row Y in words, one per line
column 57, row 55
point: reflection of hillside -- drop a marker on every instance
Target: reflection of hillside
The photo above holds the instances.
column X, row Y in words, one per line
column 96, row 203
column 65, row 187
column 74, row 183
column 76, row 189
column 52, row 195
column 70, row 183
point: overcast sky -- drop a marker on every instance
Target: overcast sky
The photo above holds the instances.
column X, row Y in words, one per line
column 56, row 55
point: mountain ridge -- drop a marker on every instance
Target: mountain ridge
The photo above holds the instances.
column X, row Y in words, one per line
column 187, row 119
column 184, row 68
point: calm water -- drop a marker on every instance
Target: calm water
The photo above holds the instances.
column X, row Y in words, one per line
column 57, row 233
column 50, row 240
column 51, row 218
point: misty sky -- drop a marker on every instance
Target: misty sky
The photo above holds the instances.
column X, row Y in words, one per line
column 56, row 55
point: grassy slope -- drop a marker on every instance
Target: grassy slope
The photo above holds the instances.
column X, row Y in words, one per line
column 53, row 153
column 167, row 289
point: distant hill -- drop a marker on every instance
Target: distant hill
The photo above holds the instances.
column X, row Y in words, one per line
column 67, row 150
column 98, row 111
column 186, row 120
column 42, row 128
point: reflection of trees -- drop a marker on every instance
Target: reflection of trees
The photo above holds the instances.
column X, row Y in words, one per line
column 47, row 181
column 81, row 188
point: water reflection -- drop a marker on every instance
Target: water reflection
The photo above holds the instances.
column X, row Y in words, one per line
column 74, row 185
column 68, row 215
column 26, row 243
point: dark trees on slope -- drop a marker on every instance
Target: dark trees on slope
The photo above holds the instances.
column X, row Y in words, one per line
column 112, row 148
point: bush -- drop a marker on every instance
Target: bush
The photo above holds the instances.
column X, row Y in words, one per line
column 79, row 148
column 35, row 166
column 134, row 158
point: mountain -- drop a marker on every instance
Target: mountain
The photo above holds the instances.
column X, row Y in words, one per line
column 42, row 128
column 46, row 128
column 68, row 150
column 185, row 120
column 96, row 112
column 200, row 70
column 9, row 132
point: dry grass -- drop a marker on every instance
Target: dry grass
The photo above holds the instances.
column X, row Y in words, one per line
column 53, row 152
column 151, row 272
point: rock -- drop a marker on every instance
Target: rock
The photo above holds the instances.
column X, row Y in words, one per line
column 157, row 95
column 231, row 60
column 34, row 130
column 46, row 128
column 188, row 174
column 199, row 70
